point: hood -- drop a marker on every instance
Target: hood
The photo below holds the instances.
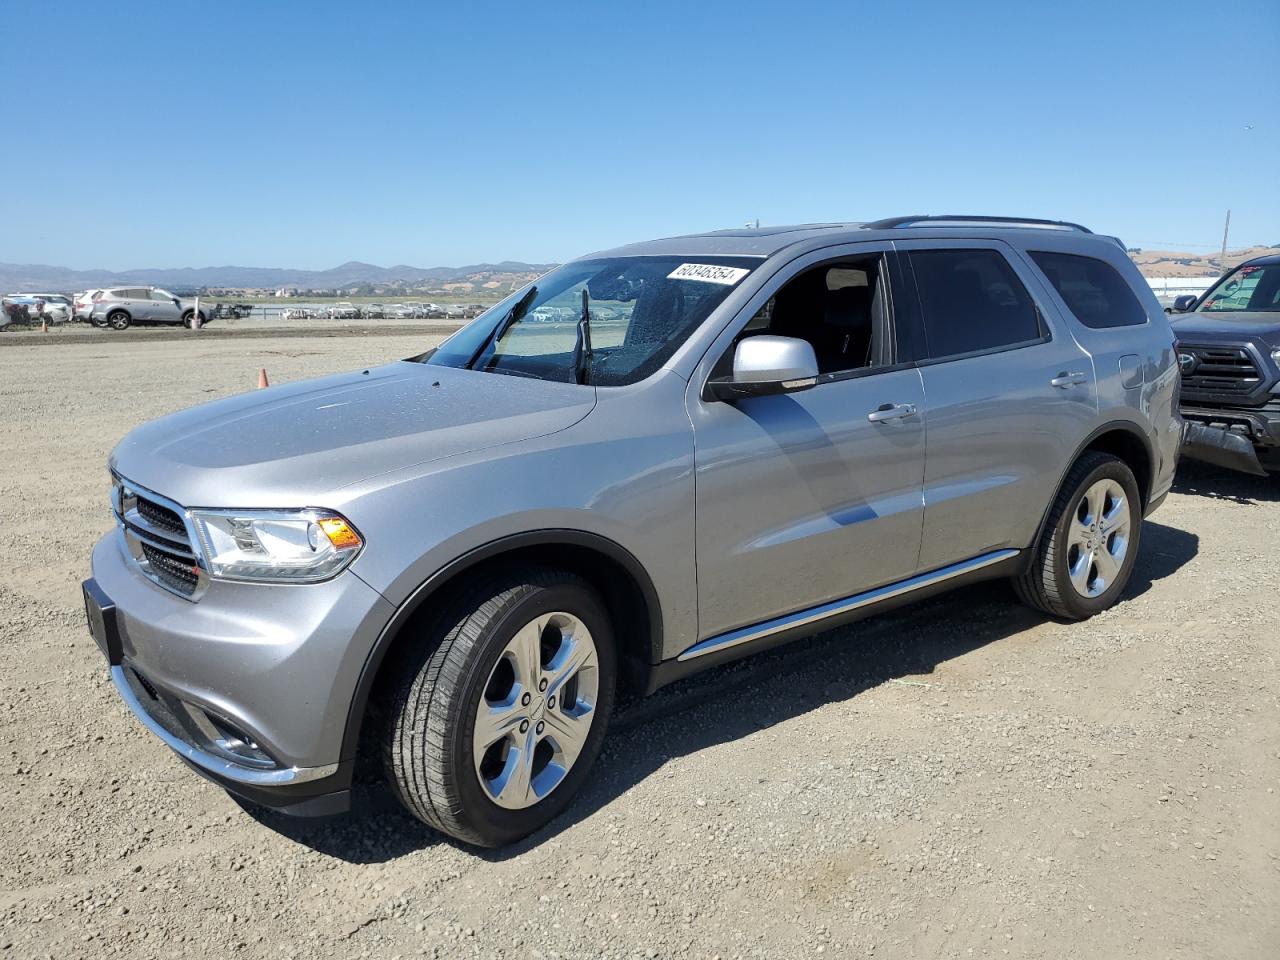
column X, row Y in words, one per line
column 292, row 445
column 1245, row 325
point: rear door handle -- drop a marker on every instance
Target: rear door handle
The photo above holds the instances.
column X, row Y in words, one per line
column 892, row 411
column 1064, row 380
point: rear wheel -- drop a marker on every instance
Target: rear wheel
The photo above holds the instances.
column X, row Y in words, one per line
column 1088, row 548
column 495, row 724
column 118, row 320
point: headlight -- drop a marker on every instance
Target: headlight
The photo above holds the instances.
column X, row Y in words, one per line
column 1275, row 355
column 291, row 546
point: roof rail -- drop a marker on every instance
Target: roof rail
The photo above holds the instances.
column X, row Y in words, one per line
column 955, row 220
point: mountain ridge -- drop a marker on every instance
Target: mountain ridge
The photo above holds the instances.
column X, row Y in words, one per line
column 37, row 276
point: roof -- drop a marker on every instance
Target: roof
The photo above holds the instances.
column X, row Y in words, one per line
column 1266, row 260
column 766, row 241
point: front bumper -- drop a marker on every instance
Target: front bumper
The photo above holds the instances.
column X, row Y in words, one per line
column 1261, row 425
column 1220, row 447
column 252, row 685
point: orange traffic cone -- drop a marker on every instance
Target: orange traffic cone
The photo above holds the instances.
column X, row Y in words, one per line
column 262, row 378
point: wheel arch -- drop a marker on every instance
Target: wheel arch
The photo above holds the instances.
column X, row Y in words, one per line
column 1122, row 439
column 613, row 570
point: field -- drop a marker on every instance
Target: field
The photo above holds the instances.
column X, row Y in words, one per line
column 962, row 778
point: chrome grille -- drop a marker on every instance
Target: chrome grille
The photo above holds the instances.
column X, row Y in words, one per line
column 174, row 571
column 157, row 536
column 159, row 516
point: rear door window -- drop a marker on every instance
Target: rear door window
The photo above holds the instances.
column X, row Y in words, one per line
column 973, row 302
column 1092, row 289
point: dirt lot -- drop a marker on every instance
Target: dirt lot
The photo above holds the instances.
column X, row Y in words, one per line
column 959, row 779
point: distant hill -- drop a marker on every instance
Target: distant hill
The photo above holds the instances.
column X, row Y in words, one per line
column 31, row 276
column 1171, row 263
column 477, row 276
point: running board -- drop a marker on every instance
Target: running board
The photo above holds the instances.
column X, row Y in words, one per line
column 837, row 607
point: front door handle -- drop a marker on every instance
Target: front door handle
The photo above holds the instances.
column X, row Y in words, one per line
column 892, row 411
column 1064, row 380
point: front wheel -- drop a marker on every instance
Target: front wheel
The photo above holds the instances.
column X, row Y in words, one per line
column 495, row 723
column 1085, row 555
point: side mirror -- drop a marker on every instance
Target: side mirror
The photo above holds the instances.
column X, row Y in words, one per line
column 1183, row 303
column 764, row 365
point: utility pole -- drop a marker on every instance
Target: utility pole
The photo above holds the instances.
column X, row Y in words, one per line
column 1222, row 262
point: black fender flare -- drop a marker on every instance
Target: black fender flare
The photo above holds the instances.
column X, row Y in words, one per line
column 424, row 591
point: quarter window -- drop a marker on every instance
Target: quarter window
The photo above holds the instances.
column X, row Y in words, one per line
column 972, row 302
column 1092, row 289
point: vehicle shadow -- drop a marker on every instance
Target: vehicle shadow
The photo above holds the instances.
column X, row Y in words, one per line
column 1205, row 480
column 708, row 709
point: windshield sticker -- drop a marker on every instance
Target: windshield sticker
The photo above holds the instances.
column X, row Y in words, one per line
column 708, row 273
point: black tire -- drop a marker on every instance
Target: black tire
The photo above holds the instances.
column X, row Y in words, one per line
column 1046, row 584
column 432, row 705
column 118, row 320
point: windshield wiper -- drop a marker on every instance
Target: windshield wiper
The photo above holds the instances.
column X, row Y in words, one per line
column 582, row 346
column 497, row 333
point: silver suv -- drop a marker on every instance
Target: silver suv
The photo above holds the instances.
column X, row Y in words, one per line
column 120, row 307
column 708, row 446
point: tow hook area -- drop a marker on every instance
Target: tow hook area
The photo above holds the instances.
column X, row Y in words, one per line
column 1220, row 447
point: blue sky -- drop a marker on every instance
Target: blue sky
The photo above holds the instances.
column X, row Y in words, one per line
column 306, row 134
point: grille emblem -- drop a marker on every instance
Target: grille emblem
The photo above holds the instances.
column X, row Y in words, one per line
column 1186, row 362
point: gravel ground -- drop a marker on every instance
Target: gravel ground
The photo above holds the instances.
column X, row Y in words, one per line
column 962, row 778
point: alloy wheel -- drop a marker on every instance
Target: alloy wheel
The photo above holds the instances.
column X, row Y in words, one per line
column 536, row 710
column 1098, row 538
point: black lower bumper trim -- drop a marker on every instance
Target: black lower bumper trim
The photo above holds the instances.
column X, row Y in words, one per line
column 1222, row 448
column 294, row 802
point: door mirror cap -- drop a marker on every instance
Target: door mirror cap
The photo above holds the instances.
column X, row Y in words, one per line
column 1183, row 303
column 764, row 365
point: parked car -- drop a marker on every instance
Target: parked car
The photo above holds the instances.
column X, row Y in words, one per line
column 344, row 310
column 462, row 558
column 373, row 311
column 42, row 307
column 1229, row 354
column 82, row 305
column 121, row 307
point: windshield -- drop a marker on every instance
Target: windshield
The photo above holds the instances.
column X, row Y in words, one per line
column 1251, row 287
column 640, row 310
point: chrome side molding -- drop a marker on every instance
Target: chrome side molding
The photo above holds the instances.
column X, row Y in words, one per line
column 836, row 607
